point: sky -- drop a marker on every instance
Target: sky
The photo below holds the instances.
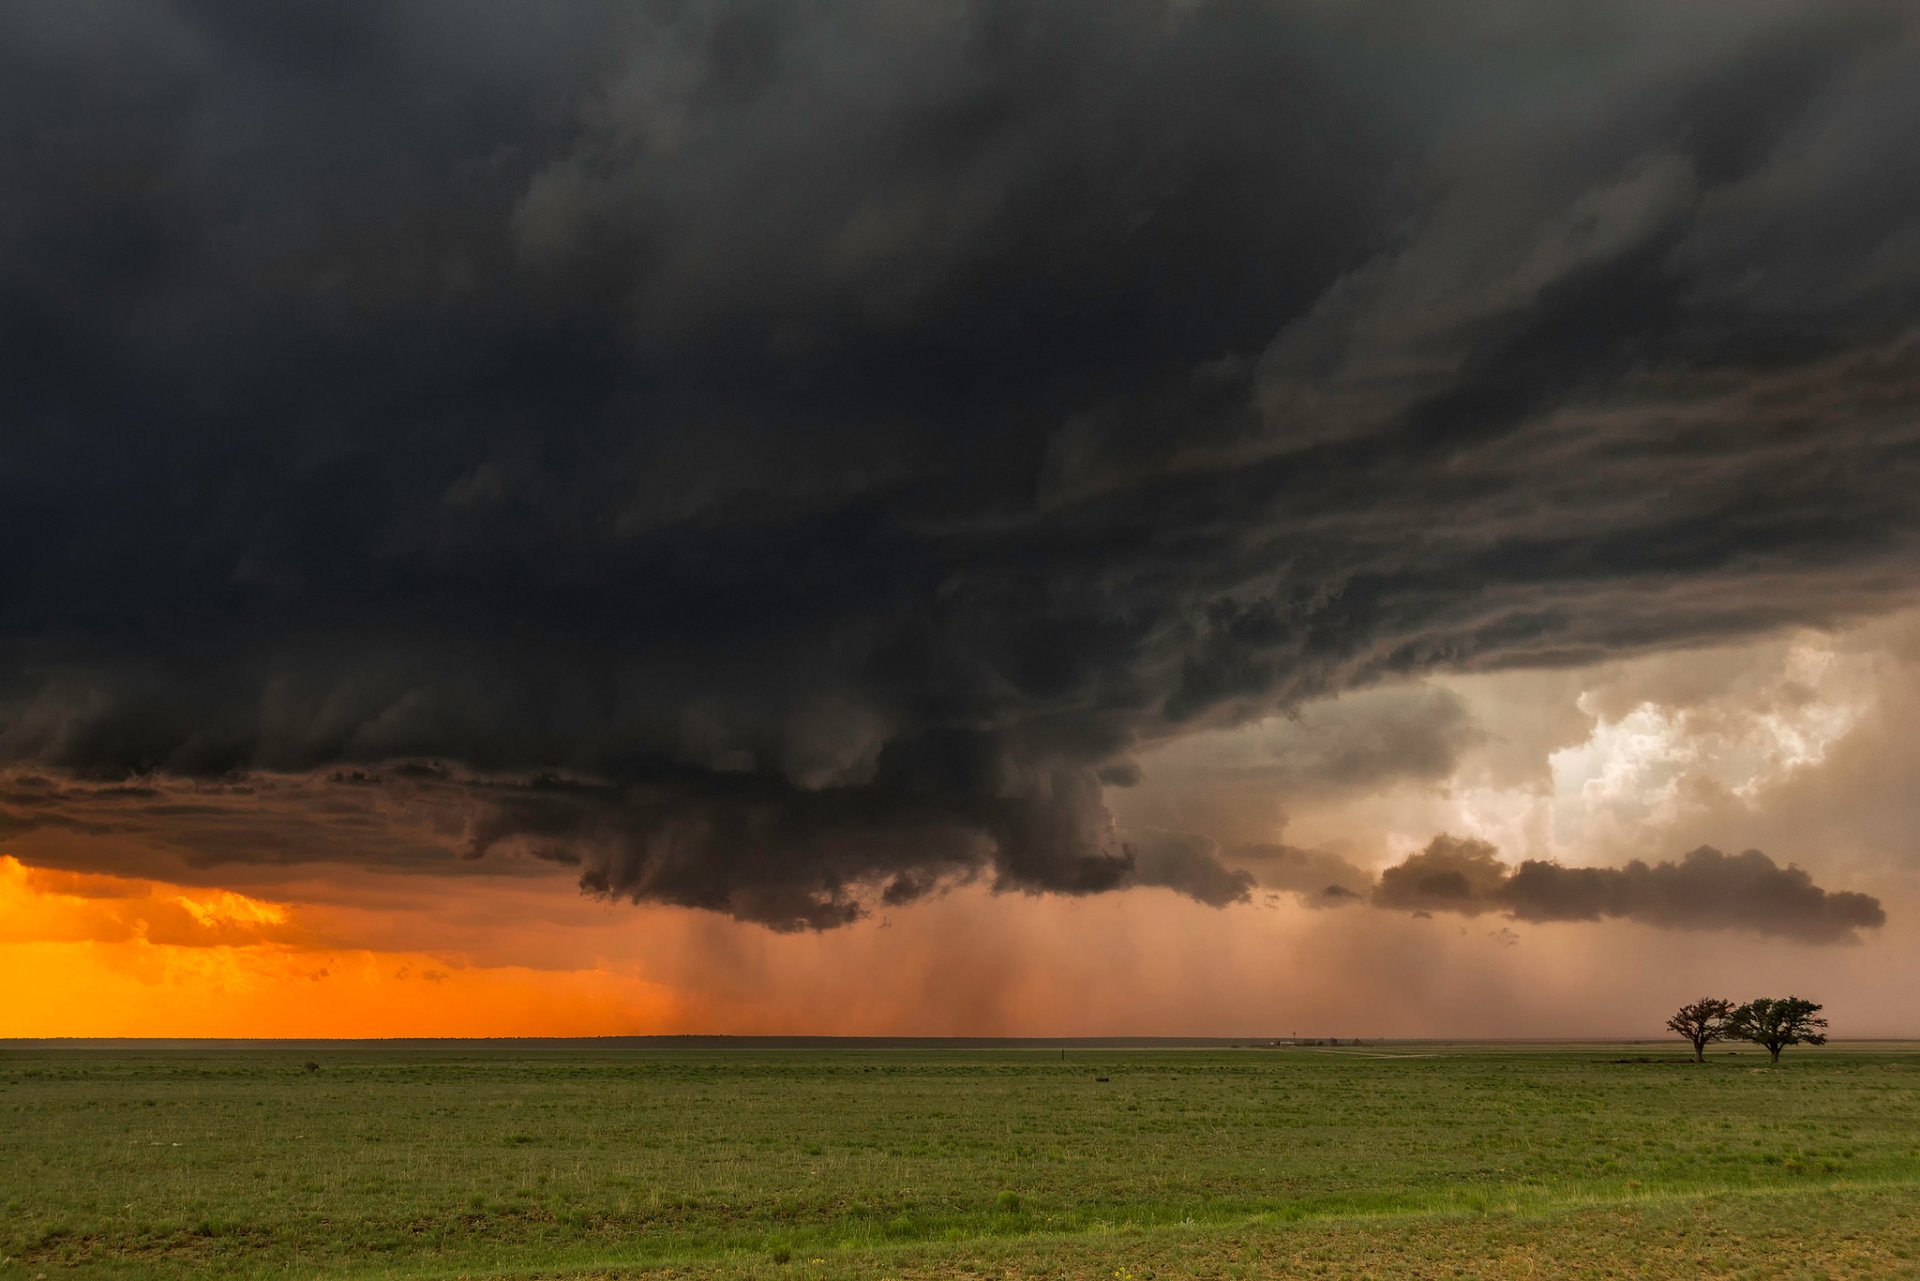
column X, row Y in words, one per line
column 965, row 518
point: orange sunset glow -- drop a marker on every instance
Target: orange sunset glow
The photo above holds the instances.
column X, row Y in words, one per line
column 90, row 955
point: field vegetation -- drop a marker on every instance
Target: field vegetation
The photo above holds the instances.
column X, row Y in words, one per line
column 498, row 1161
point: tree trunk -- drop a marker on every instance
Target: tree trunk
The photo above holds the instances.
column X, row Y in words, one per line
column 1775, row 1051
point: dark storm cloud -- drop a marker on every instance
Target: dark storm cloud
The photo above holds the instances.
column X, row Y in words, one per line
column 1703, row 890
column 1189, row 864
column 194, row 830
column 786, row 458
column 1451, row 874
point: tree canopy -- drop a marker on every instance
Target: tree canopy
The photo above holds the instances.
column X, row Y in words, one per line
column 1777, row 1023
column 1701, row 1022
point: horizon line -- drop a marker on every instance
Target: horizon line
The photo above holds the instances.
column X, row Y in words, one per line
column 882, row 1040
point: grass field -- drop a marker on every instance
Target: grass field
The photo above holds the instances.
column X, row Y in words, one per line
column 491, row 1161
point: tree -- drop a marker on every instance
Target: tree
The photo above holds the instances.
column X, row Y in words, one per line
column 1703, row 1021
column 1777, row 1023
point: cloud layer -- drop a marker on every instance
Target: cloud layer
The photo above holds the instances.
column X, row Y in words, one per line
column 1703, row 890
column 780, row 460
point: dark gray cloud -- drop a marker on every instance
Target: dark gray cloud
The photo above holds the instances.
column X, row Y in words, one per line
column 1189, row 864
column 773, row 458
column 1362, row 740
column 1703, row 890
column 1453, row 874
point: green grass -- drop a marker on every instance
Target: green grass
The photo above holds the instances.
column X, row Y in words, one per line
column 486, row 1161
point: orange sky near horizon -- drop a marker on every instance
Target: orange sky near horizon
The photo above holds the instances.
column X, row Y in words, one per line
column 87, row 955
column 103, row 956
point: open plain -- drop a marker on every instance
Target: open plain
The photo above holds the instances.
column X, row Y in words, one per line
column 444, row 1160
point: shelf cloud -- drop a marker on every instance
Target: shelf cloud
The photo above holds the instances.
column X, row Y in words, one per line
column 788, row 460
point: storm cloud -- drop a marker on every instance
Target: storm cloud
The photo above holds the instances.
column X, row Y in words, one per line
column 1703, row 890
column 786, row 460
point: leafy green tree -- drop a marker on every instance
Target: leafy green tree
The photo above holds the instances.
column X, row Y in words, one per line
column 1777, row 1023
column 1703, row 1021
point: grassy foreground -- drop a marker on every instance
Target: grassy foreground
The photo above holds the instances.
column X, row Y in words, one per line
column 1391, row 1161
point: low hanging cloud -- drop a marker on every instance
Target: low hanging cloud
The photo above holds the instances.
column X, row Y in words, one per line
column 1319, row 878
column 730, row 853
column 1702, row 890
column 1188, row 864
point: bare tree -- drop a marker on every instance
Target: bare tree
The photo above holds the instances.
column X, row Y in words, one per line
column 1777, row 1022
column 1702, row 1022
